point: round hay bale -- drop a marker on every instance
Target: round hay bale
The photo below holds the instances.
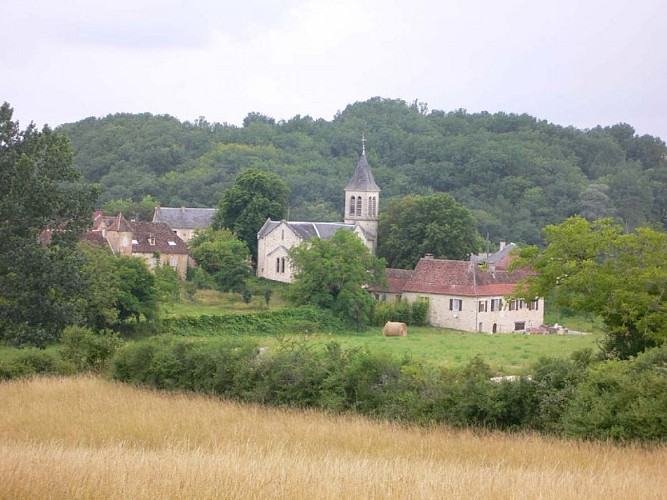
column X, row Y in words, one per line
column 395, row 329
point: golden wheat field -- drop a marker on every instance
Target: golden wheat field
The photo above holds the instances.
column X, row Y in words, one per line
column 90, row 438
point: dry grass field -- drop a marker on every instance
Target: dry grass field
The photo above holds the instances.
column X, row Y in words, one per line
column 89, row 438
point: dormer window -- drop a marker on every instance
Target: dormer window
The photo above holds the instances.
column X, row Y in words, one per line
column 151, row 240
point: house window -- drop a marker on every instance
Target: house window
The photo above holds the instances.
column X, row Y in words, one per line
column 533, row 305
column 397, row 298
column 496, row 304
column 521, row 303
column 483, row 305
column 455, row 304
column 359, row 205
column 512, row 305
column 353, row 204
column 173, row 262
column 519, row 325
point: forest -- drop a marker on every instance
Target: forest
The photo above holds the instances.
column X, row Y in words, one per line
column 515, row 173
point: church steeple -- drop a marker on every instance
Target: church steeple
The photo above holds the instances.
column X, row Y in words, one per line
column 362, row 198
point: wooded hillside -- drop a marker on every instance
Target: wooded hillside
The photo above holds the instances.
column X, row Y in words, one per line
column 515, row 172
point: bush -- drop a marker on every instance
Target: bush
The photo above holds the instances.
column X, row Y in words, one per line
column 29, row 362
column 413, row 313
column 622, row 400
column 88, row 350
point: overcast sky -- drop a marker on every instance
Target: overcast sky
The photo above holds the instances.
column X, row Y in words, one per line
column 571, row 62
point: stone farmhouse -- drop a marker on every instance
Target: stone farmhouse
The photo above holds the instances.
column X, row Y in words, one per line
column 362, row 207
column 154, row 242
column 464, row 296
column 184, row 221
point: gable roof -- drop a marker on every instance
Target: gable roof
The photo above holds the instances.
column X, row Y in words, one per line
column 307, row 230
column 362, row 179
column 184, row 218
column 166, row 241
column 113, row 223
column 457, row 277
column 396, row 280
column 501, row 259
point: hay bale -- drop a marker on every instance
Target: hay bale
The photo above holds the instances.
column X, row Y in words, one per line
column 395, row 329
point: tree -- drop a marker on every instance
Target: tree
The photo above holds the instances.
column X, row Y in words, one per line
column 333, row 273
column 255, row 196
column 44, row 210
column 223, row 256
column 141, row 210
column 594, row 267
column 417, row 225
column 138, row 293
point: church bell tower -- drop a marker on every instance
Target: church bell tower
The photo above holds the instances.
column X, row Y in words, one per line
column 362, row 199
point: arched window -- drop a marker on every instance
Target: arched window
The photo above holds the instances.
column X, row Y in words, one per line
column 375, row 206
column 359, row 205
column 277, row 264
column 353, row 201
column 370, row 206
column 282, row 265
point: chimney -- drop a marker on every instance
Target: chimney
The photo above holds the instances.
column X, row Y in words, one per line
column 428, row 256
column 503, row 243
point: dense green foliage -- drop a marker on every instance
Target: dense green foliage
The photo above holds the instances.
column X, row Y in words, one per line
column 333, row 274
column 223, row 256
column 138, row 210
column 287, row 320
column 414, row 313
column 255, row 196
column 44, row 210
column 627, row 399
column 515, row 172
column 599, row 269
column 416, row 225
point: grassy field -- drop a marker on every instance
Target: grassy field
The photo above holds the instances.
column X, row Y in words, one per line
column 506, row 353
column 88, row 438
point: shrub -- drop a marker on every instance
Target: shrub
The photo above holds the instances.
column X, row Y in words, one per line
column 29, row 362
column 88, row 350
column 413, row 313
column 622, row 400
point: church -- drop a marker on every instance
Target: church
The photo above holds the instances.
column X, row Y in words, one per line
column 362, row 208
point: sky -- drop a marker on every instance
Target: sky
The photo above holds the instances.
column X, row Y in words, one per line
column 571, row 62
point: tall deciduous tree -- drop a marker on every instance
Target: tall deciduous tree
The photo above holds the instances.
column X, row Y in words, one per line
column 223, row 256
column 417, row 225
column 594, row 267
column 44, row 210
column 333, row 273
column 255, row 196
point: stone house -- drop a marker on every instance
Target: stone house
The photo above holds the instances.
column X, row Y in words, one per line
column 184, row 221
column 362, row 208
column 153, row 242
column 464, row 296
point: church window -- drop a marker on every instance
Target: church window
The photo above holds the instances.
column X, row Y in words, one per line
column 353, row 204
column 359, row 205
column 277, row 264
column 282, row 265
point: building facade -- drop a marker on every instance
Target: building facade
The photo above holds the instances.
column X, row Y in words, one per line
column 362, row 210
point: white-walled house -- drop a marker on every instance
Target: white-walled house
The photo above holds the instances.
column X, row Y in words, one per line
column 463, row 296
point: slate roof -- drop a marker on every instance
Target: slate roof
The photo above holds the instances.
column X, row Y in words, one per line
column 166, row 241
column 307, row 230
column 362, row 179
column 501, row 259
column 184, row 218
column 456, row 277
